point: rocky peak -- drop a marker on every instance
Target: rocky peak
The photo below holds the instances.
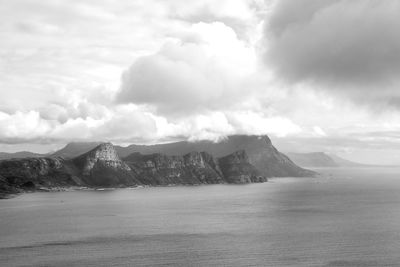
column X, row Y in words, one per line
column 104, row 154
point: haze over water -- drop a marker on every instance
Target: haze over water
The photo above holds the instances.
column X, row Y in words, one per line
column 348, row 218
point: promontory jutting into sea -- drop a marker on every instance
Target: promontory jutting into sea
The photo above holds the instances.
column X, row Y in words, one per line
column 238, row 159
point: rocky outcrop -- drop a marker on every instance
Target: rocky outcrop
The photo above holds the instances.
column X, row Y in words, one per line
column 236, row 168
column 102, row 167
column 104, row 154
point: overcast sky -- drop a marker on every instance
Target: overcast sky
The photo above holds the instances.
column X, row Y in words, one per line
column 315, row 75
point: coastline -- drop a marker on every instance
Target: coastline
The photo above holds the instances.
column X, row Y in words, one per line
column 6, row 195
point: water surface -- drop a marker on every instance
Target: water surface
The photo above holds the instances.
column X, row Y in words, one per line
column 349, row 217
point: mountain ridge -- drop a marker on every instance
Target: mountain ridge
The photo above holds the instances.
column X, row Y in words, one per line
column 103, row 167
column 321, row 159
column 262, row 154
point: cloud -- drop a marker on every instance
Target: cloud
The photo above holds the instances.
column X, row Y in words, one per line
column 185, row 77
column 191, row 70
column 351, row 47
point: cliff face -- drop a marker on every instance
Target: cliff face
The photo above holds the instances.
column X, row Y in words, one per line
column 159, row 169
column 103, row 154
column 102, row 167
column 236, row 168
column 30, row 173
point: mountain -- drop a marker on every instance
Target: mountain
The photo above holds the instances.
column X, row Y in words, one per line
column 74, row 149
column 20, row 154
column 346, row 163
column 262, row 154
column 103, row 167
column 321, row 159
column 314, row 159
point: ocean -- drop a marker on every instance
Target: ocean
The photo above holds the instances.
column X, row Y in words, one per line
column 346, row 217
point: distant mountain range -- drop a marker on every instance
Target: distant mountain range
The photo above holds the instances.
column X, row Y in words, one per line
column 321, row 159
column 21, row 154
column 237, row 159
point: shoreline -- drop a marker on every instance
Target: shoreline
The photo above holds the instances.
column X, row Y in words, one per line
column 86, row 188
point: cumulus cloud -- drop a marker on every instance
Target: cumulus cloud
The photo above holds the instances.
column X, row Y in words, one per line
column 194, row 70
column 206, row 73
column 350, row 46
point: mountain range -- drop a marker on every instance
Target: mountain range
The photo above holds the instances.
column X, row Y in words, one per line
column 236, row 159
column 321, row 159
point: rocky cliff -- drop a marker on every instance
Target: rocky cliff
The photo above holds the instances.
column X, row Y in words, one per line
column 160, row 169
column 236, row 168
column 102, row 167
column 31, row 172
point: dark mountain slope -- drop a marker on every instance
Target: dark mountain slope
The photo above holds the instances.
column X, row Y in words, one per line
column 160, row 169
column 262, row 154
column 236, row 168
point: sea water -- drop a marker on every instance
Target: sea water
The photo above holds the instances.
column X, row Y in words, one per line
column 346, row 217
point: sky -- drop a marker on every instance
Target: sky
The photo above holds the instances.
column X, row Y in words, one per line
column 314, row 75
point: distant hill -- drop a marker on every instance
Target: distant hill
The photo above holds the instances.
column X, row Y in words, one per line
column 321, row 159
column 346, row 163
column 75, row 149
column 19, row 155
